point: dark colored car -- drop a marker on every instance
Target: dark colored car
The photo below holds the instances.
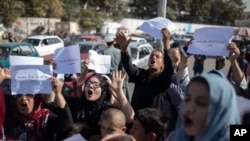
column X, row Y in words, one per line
column 86, row 46
column 89, row 38
column 15, row 48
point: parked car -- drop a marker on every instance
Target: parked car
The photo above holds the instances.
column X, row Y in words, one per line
column 15, row 48
column 138, row 39
column 140, row 53
column 86, row 46
column 45, row 44
column 148, row 38
column 89, row 38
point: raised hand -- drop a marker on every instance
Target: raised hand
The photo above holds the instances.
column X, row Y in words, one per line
column 4, row 74
column 56, row 85
column 123, row 41
column 166, row 38
column 234, row 51
column 117, row 80
column 86, row 63
column 165, row 33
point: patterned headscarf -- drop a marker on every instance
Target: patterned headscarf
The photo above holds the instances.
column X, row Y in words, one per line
column 31, row 126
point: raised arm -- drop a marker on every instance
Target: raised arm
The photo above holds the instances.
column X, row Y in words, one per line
column 4, row 74
column 238, row 75
column 166, row 38
column 117, row 85
column 168, row 70
column 83, row 73
column 57, row 90
column 123, row 42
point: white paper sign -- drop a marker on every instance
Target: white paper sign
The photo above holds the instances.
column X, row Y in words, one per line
column 25, row 60
column 67, row 60
column 211, row 41
column 100, row 63
column 154, row 26
column 77, row 137
column 31, row 79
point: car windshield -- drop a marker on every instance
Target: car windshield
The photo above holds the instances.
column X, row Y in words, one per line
column 133, row 53
column 34, row 42
column 85, row 48
column 4, row 53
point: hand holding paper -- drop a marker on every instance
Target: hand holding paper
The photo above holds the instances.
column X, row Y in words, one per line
column 67, row 60
column 211, row 41
column 100, row 63
column 154, row 26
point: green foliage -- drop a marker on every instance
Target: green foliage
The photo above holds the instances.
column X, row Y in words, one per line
column 90, row 19
column 10, row 10
column 91, row 13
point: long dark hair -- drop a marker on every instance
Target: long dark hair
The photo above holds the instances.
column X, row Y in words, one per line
column 105, row 95
column 94, row 109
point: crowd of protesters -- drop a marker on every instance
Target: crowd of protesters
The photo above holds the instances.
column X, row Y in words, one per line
column 166, row 104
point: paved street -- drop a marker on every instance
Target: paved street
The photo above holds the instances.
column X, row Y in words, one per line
column 209, row 64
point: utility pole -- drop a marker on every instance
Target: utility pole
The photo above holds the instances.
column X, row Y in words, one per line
column 162, row 8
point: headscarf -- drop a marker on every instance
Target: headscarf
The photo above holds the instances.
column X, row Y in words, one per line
column 35, row 123
column 92, row 110
column 222, row 111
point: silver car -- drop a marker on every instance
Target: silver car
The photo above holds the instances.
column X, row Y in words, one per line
column 140, row 53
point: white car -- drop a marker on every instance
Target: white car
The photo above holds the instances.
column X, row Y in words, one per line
column 45, row 44
column 140, row 53
column 138, row 39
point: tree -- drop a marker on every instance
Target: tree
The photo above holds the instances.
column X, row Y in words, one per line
column 226, row 11
column 199, row 11
column 144, row 9
column 45, row 8
column 10, row 10
column 95, row 12
column 72, row 10
column 90, row 19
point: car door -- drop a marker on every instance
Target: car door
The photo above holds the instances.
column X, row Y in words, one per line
column 44, row 47
column 99, row 48
column 144, row 54
column 27, row 50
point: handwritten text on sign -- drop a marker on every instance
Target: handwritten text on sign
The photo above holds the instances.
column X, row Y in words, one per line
column 31, row 79
column 99, row 63
column 212, row 41
column 68, row 60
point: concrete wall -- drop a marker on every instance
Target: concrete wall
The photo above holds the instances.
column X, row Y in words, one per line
column 29, row 24
column 182, row 28
column 67, row 27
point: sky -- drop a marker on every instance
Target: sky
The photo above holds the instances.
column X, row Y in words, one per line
column 248, row 5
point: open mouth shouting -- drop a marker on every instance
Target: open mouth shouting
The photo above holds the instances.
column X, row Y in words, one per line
column 89, row 93
column 188, row 122
column 23, row 107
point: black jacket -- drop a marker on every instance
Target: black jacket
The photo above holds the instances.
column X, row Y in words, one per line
column 148, row 93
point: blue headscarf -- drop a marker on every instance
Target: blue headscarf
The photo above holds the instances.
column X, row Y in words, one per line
column 223, row 112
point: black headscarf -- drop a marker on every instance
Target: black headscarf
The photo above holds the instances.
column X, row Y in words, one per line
column 91, row 111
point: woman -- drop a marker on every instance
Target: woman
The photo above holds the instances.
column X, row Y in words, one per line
column 208, row 111
column 97, row 98
column 28, row 121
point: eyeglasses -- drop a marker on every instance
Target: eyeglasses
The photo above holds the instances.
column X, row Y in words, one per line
column 94, row 84
column 29, row 96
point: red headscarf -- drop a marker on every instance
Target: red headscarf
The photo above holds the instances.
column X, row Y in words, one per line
column 2, row 110
column 35, row 123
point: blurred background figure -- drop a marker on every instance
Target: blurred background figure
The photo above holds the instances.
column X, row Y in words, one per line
column 199, row 64
column 12, row 38
column 220, row 62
